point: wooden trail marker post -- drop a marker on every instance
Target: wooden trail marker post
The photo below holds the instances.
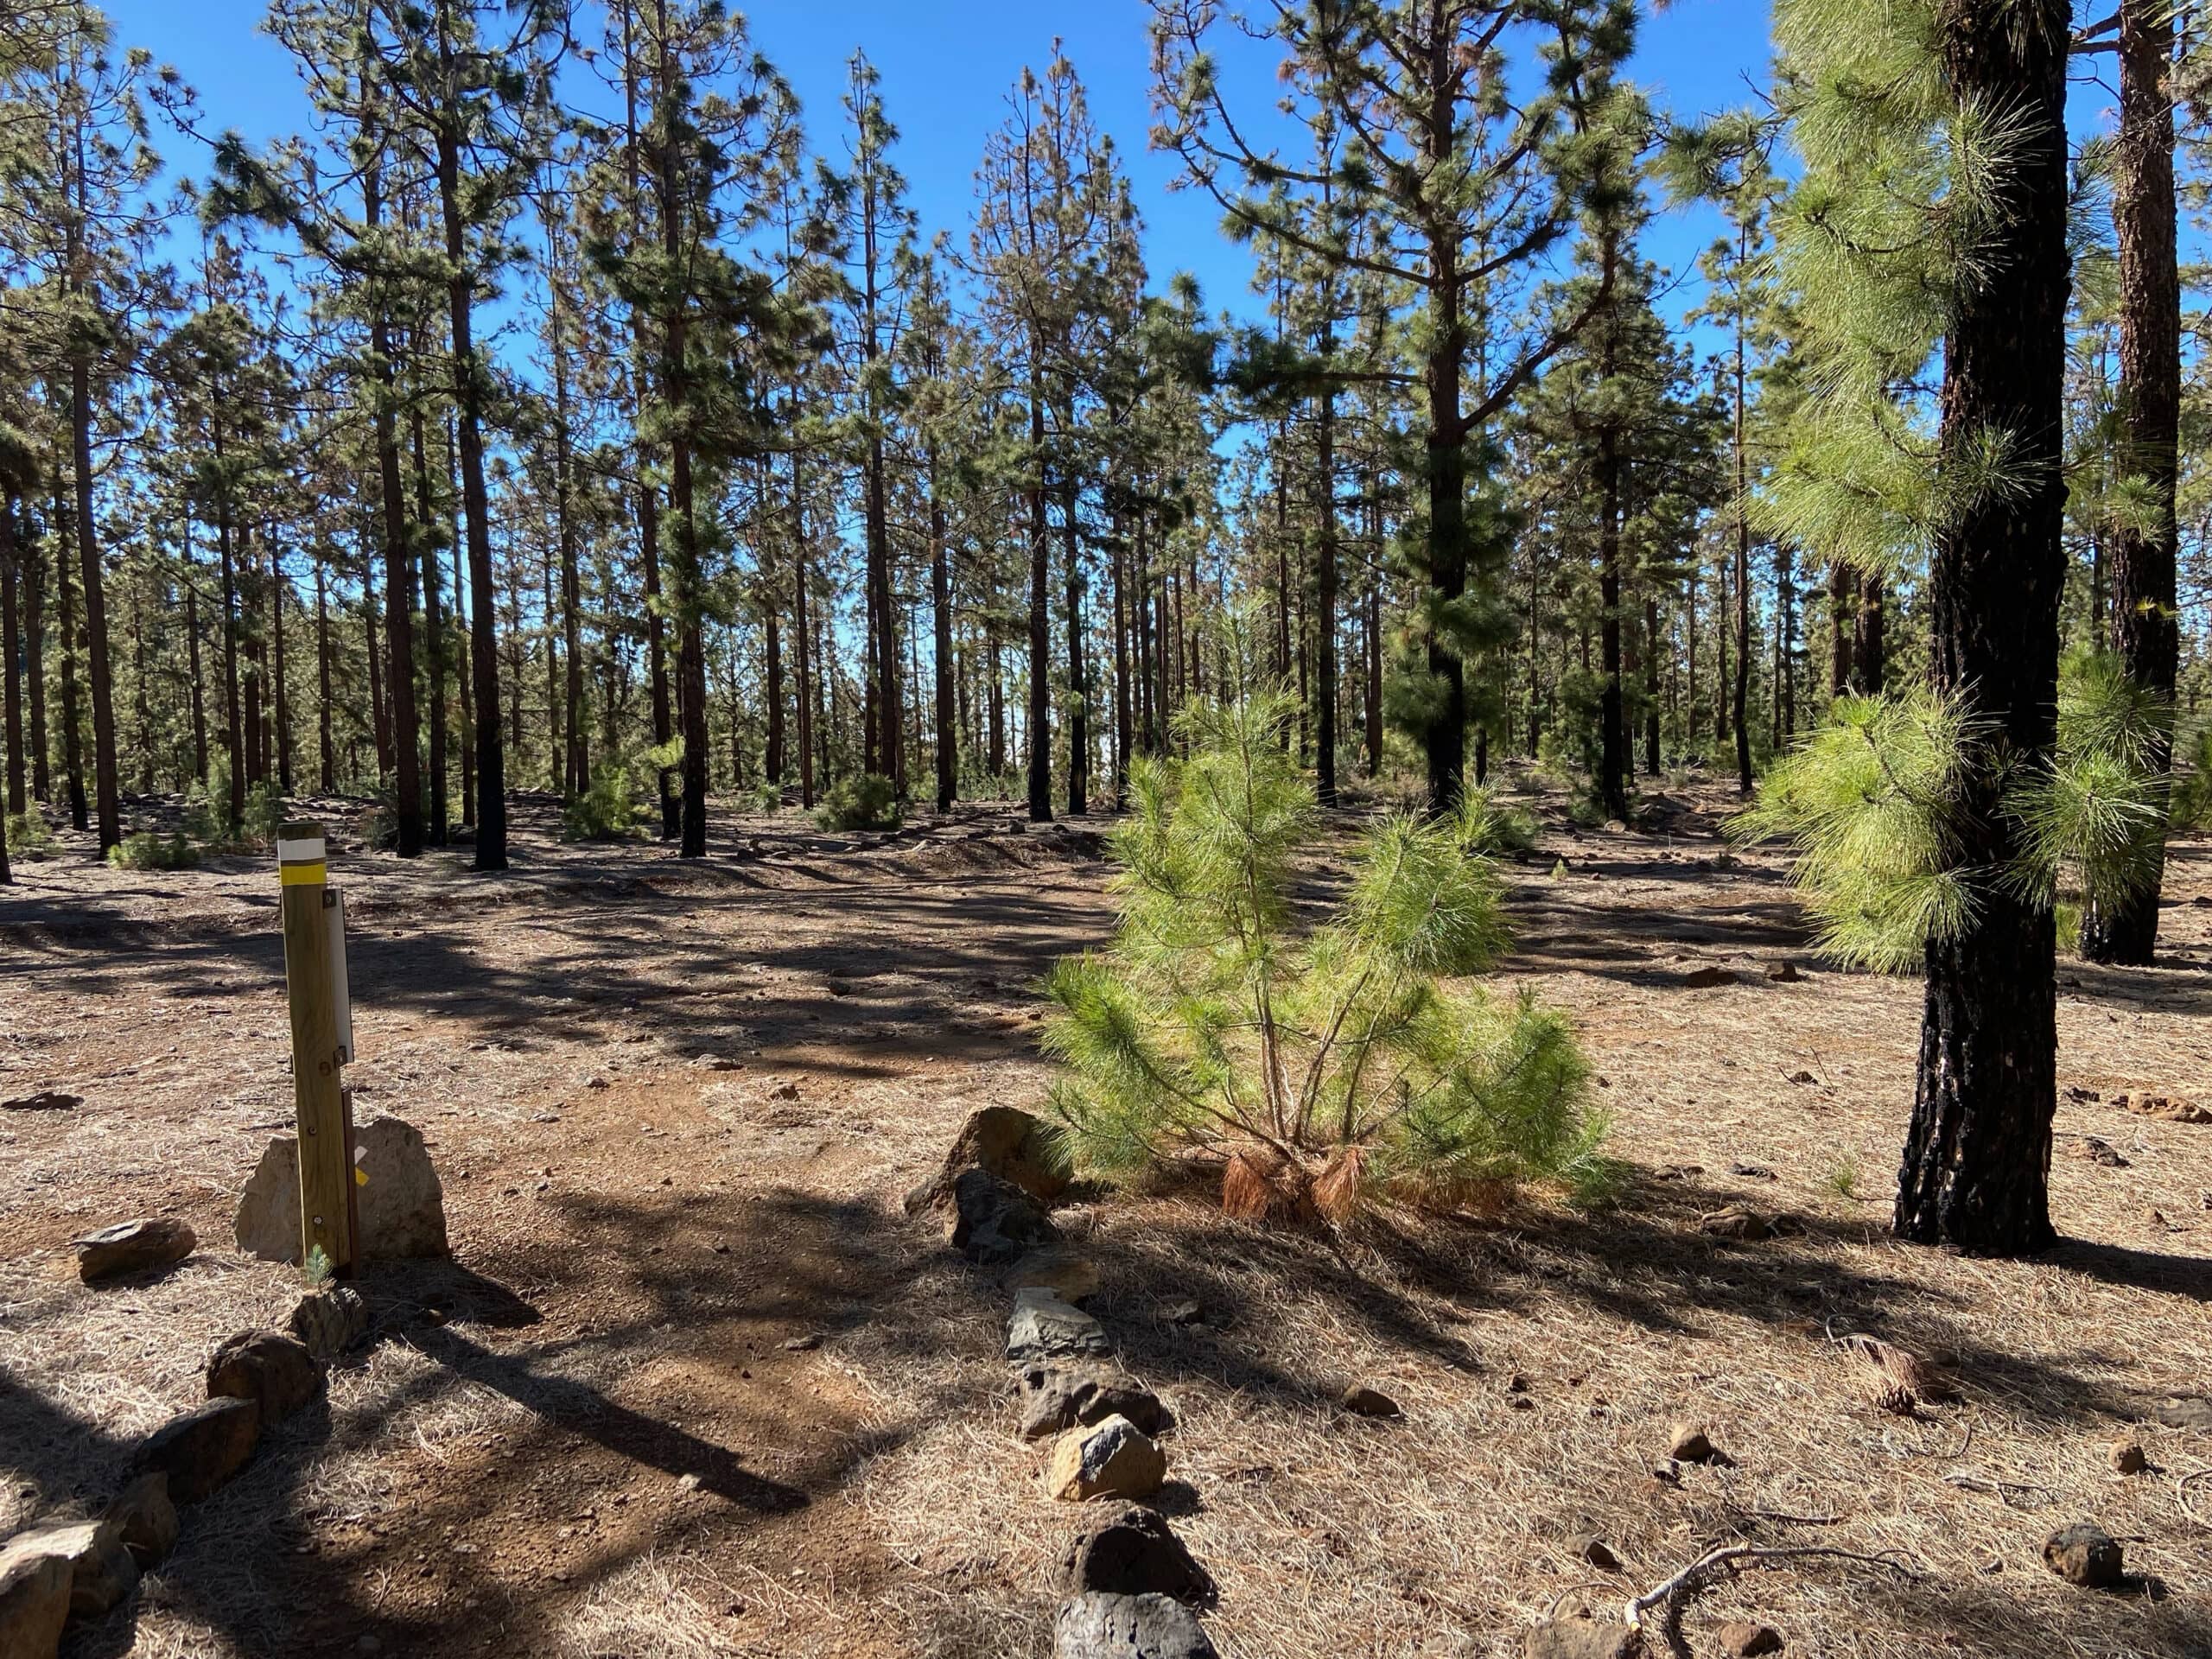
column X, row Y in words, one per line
column 315, row 983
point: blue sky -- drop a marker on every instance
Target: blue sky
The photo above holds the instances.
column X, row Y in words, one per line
column 945, row 72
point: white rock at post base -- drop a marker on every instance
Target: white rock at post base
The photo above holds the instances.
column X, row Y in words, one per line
column 402, row 1208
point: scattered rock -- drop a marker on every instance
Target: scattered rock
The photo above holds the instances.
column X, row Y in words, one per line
column 101, row 1570
column 274, row 1371
column 1096, row 1626
column 2185, row 1411
column 1184, row 1311
column 1783, row 973
column 2127, row 1458
column 133, row 1247
column 1008, row 1142
column 1045, row 1327
column 403, row 1211
column 687, row 1482
column 994, row 1221
column 1705, row 979
column 1753, row 1172
column 1578, row 1635
column 1114, row 1458
column 144, row 1519
column 1590, row 1547
column 1068, row 1274
column 2099, row 1152
column 2083, row 1554
column 1803, row 1078
column 784, row 1091
column 1736, row 1223
column 2170, row 1111
column 201, row 1450
column 1693, row 1443
column 33, row 1596
column 1743, row 1639
column 330, row 1319
column 1056, row 1398
column 46, row 1100
column 804, row 1344
column 1363, row 1401
column 1134, row 1553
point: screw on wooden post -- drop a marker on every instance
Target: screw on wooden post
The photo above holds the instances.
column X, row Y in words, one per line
column 327, row 1202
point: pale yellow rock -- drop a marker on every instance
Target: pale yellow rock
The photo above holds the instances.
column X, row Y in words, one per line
column 1112, row 1459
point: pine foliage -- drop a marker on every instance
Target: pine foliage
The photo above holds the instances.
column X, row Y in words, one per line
column 1326, row 1067
column 1870, row 803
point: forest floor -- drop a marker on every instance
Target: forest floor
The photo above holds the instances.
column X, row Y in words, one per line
column 693, row 1385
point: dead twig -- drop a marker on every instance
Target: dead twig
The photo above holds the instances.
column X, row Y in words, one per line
column 2181, row 1494
column 1674, row 1595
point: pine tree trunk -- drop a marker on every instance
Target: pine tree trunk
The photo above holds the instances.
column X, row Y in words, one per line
column 281, row 699
column 437, row 633
column 326, row 756
column 73, row 761
column 1612, row 719
column 1843, row 615
column 1446, row 738
column 1324, row 596
column 468, row 399
column 373, row 649
column 1650, row 687
column 34, row 562
column 11, row 664
column 772, row 666
column 1738, row 711
column 2146, row 618
column 1977, row 1157
column 1866, row 641
column 1040, row 576
column 402, row 749
column 948, row 720
column 803, row 699
column 1078, row 675
column 105, row 783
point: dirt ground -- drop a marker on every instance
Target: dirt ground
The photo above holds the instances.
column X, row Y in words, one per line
column 694, row 1385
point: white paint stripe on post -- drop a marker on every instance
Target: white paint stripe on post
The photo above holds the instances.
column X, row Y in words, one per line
column 300, row 852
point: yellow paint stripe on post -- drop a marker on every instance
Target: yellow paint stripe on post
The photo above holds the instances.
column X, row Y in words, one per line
column 303, row 875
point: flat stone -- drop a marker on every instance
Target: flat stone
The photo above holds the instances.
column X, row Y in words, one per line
column 1363, row 1401
column 1114, row 1458
column 201, row 1450
column 1100, row 1626
column 276, row 1371
column 1134, row 1553
column 402, row 1212
column 329, row 1320
column 137, row 1246
column 1590, row 1547
column 34, row 1579
column 1742, row 1638
column 1005, row 1142
column 144, row 1519
column 1068, row 1274
column 1736, row 1222
column 1045, row 1327
column 2083, row 1554
column 1703, row 979
column 1055, row 1398
column 1691, row 1443
column 1578, row 1635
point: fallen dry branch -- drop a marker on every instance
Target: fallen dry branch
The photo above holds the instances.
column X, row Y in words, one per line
column 1673, row 1596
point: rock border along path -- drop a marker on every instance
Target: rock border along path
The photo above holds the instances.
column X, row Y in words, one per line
column 1127, row 1583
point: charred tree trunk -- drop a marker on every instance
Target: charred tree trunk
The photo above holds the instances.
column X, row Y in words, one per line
column 1040, row 579
column 2146, row 618
column 1977, row 1157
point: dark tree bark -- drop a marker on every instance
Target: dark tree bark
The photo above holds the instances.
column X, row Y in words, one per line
column 1843, row 627
column 2146, row 617
column 1977, row 1157
column 1078, row 672
column 11, row 663
column 325, row 746
column 1650, row 687
column 73, row 760
column 281, row 699
column 1325, row 591
column 371, row 631
column 1041, row 579
column 1612, row 716
column 948, row 720
column 105, row 784
column 1867, row 647
column 33, row 563
column 436, row 633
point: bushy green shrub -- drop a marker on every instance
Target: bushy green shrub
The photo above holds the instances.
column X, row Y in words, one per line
column 868, row 802
column 606, row 812
column 1314, row 1072
column 2192, row 798
column 148, row 851
column 265, row 811
column 29, row 838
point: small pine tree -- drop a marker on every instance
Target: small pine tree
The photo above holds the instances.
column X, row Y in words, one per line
column 1312, row 1072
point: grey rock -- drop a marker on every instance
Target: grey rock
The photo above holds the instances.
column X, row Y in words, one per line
column 1045, row 1327
column 133, row 1247
column 2185, row 1411
column 1134, row 1553
column 201, row 1450
column 403, row 1211
column 329, row 1320
column 268, row 1367
column 994, row 1221
column 1578, row 1635
column 1100, row 1626
column 144, row 1519
column 1056, row 1397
